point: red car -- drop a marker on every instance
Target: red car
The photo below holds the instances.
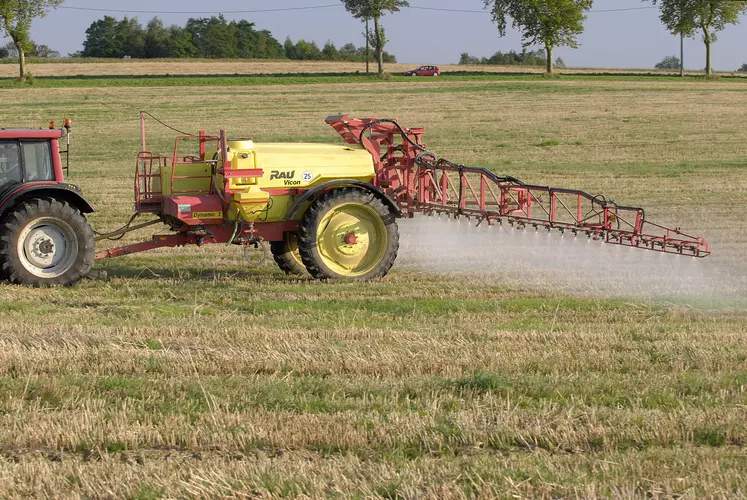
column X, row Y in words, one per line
column 424, row 71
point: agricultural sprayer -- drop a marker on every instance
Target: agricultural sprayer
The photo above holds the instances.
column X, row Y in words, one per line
column 327, row 210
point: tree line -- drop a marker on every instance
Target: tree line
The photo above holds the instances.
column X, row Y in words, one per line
column 205, row 37
column 214, row 38
column 511, row 58
column 10, row 50
column 556, row 23
column 547, row 23
column 310, row 51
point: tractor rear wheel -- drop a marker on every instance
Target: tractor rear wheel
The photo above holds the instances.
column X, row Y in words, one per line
column 46, row 242
column 287, row 256
column 348, row 233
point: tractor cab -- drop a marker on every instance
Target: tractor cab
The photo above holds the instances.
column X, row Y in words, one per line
column 32, row 155
column 27, row 157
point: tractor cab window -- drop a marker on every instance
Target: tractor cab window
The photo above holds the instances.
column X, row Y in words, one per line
column 10, row 163
column 37, row 161
column 25, row 161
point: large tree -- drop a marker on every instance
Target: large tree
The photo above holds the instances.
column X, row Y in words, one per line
column 108, row 37
column 214, row 37
column 552, row 23
column 16, row 17
column 130, row 37
column 101, row 39
column 375, row 9
column 156, row 42
column 707, row 17
column 180, row 43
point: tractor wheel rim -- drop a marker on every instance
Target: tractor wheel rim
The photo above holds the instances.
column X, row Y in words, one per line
column 334, row 237
column 291, row 240
column 47, row 247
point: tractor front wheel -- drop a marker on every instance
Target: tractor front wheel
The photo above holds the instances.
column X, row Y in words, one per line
column 46, row 242
column 348, row 234
column 287, row 256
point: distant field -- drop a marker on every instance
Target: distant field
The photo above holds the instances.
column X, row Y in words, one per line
column 103, row 67
column 188, row 373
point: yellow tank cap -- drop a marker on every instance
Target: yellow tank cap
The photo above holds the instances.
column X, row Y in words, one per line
column 243, row 144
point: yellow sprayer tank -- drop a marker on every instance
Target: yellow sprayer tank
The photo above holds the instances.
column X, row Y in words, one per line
column 286, row 168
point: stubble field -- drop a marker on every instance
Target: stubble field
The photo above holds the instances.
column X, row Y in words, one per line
column 188, row 372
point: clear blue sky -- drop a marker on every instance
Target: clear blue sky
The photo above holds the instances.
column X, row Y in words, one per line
column 629, row 39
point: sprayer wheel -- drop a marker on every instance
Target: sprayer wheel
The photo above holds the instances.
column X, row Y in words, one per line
column 348, row 233
column 287, row 256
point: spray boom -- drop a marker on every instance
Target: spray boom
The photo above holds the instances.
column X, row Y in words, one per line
column 422, row 183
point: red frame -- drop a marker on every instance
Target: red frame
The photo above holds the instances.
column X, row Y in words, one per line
column 269, row 231
column 30, row 133
column 59, row 176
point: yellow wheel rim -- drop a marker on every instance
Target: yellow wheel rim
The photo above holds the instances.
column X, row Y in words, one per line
column 291, row 242
column 352, row 239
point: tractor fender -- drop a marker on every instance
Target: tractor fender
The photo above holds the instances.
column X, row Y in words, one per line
column 313, row 193
column 60, row 191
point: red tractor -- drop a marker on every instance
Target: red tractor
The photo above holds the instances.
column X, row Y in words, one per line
column 45, row 238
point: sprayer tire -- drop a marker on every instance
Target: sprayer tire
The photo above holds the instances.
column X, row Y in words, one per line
column 287, row 256
column 348, row 234
column 46, row 242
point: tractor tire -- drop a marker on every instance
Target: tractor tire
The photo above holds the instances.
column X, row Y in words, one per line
column 348, row 234
column 46, row 242
column 287, row 256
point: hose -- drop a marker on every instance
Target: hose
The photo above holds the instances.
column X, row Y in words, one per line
column 218, row 191
column 126, row 226
column 396, row 124
column 167, row 125
column 235, row 232
column 264, row 258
